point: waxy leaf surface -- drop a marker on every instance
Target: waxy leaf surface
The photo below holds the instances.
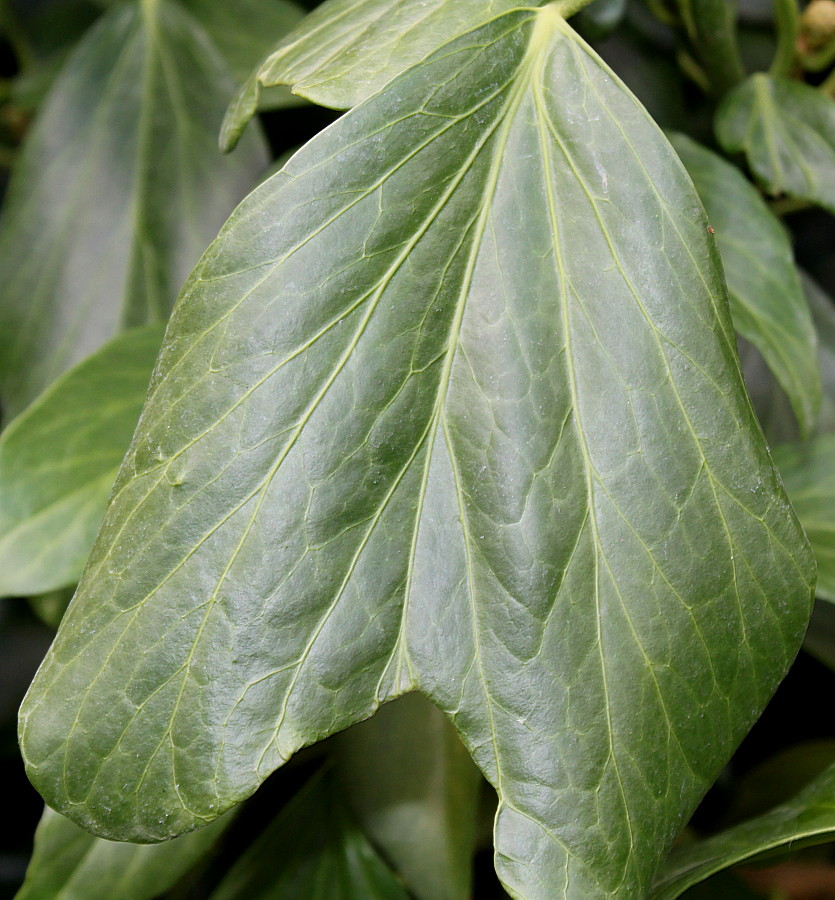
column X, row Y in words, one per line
column 69, row 863
column 768, row 303
column 118, row 191
column 787, row 132
column 414, row 790
column 452, row 404
column 315, row 850
column 346, row 50
column 808, row 471
column 59, row 459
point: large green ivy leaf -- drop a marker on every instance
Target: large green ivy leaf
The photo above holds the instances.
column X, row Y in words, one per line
column 312, row 850
column 787, row 132
column 118, row 191
column 68, row 863
column 767, row 300
column 808, row 471
column 415, row 792
column 453, row 404
column 809, row 818
column 346, row 50
column 58, row 462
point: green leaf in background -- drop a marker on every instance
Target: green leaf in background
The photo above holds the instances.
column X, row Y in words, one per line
column 723, row 886
column 767, row 300
column 808, row 818
column 787, row 132
column 346, row 50
column 313, row 850
column 820, row 636
column 244, row 30
column 770, row 402
column 68, row 863
column 777, row 779
column 808, row 471
column 600, row 17
column 823, row 317
column 58, row 462
column 452, row 404
column 46, row 34
column 415, row 792
column 118, row 191
column 51, row 606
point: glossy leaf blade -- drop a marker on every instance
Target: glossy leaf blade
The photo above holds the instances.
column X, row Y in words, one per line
column 59, row 459
column 453, row 403
column 807, row 819
column 768, row 304
column 346, row 50
column 118, row 191
column 787, row 132
column 414, row 790
column 68, row 863
column 808, row 471
column 313, row 849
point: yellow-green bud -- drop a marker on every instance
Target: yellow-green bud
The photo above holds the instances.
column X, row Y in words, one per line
column 817, row 24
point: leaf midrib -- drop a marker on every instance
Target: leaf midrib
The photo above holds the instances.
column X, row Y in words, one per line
column 501, row 128
column 591, row 518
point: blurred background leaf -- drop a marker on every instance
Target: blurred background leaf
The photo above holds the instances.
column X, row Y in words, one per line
column 768, row 304
column 414, row 789
column 58, row 462
column 787, row 132
column 314, row 849
column 70, row 864
column 117, row 192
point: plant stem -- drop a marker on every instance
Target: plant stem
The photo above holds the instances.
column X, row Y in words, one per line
column 787, row 205
column 567, row 8
column 787, row 19
column 660, row 11
column 693, row 70
column 711, row 27
column 819, row 60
